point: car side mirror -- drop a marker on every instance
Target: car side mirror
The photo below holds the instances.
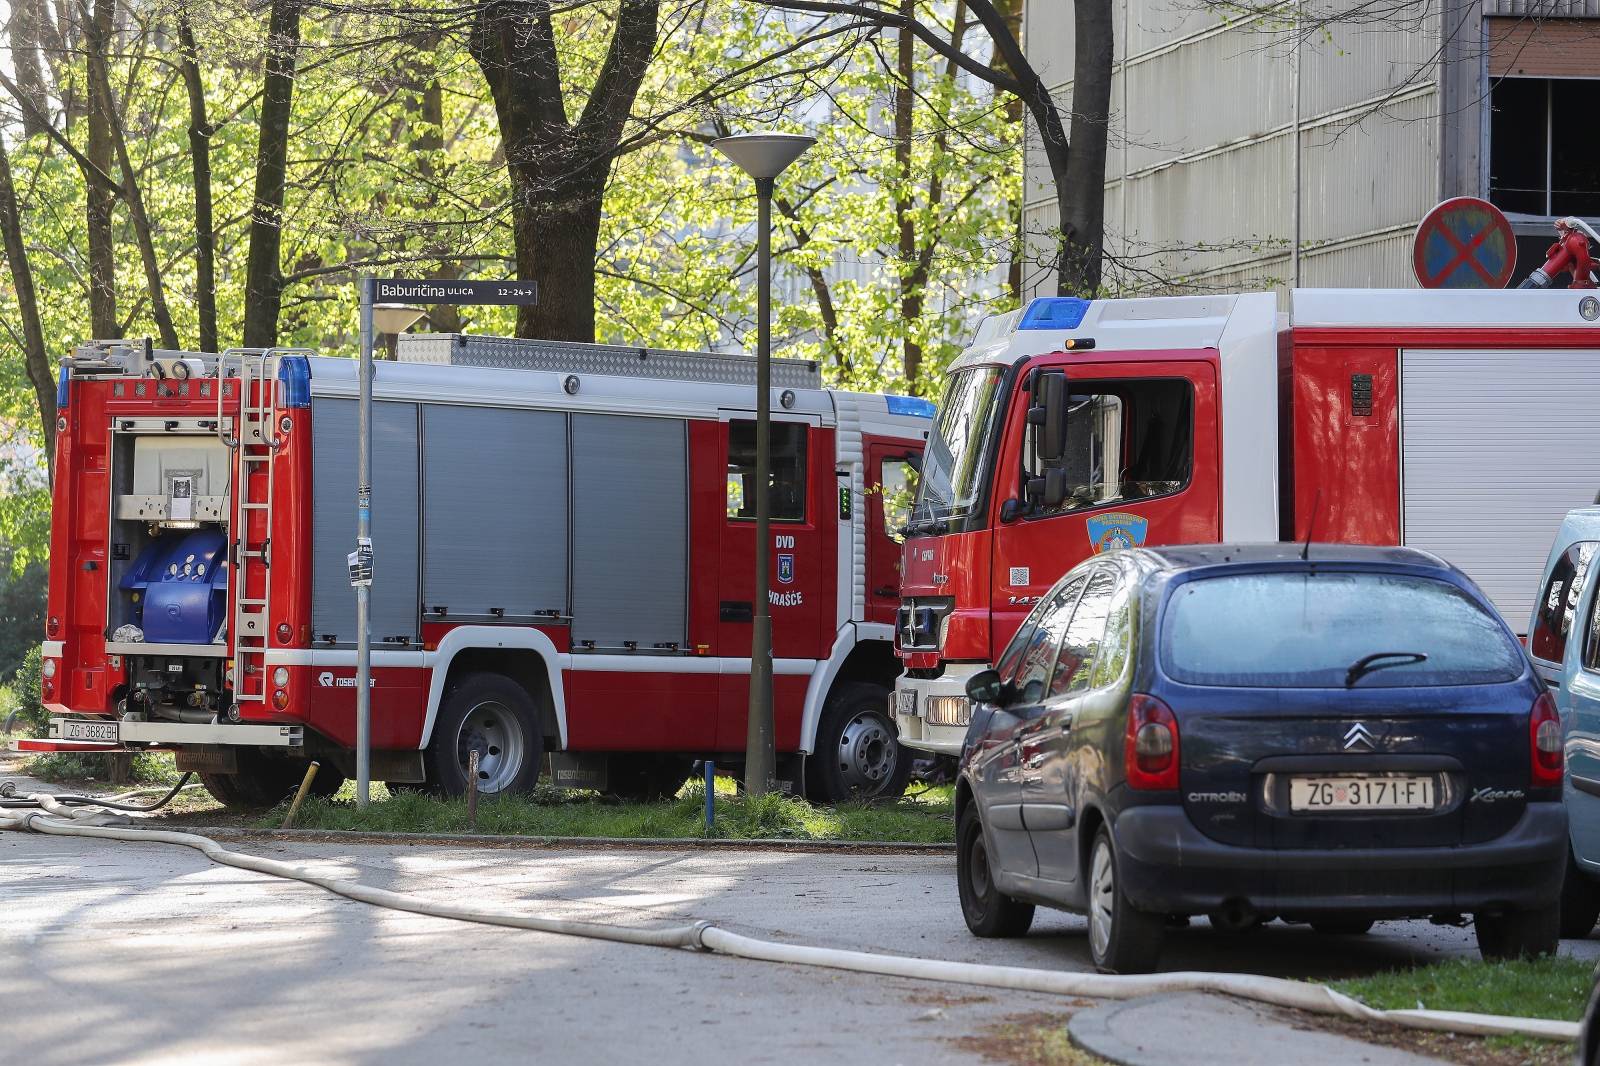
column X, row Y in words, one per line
column 985, row 686
column 1055, row 488
column 1011, row 510
column 1047, row 417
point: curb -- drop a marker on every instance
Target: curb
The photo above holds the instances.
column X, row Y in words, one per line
column 358, row 836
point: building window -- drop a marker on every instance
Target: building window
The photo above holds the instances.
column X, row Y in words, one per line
column 1543, row 156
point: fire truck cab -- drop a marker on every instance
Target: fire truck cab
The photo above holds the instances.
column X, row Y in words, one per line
column 1459, row 422
column 564, row 549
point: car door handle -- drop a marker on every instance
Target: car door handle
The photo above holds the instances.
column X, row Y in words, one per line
column 1034, row 761
column 885, row 590
column 737, row 611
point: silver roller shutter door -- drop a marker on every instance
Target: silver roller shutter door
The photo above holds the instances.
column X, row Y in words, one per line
column 394, row 521
column 495, row 512
column 1497, row 447
column 630, row 489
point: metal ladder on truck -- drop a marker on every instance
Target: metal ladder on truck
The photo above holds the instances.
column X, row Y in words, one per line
column 255, row 442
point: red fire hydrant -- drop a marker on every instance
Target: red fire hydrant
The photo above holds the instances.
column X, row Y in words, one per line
column 1570, row 253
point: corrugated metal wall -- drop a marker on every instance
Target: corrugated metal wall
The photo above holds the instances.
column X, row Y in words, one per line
column 1201, row 162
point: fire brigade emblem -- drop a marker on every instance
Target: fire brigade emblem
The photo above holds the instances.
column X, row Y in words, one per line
column 1108, row 532
column 786, row 568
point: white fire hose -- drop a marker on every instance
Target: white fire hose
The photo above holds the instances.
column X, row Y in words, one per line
column 77, row 816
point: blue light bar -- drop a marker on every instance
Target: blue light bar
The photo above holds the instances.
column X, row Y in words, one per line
column 63, row 388
column 295, row 374
column 1054, row 312
column 910, row 405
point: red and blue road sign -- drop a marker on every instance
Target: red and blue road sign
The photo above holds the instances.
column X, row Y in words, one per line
column 1464, row 243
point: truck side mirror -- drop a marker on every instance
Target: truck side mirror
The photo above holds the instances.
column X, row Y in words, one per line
column 1055, row 488
column 1047, row 417
column 985, row 686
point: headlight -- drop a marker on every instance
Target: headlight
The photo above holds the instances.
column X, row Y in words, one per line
column 947, row 710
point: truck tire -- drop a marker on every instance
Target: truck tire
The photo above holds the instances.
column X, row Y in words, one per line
column 263, row 781
column 858, row 754
column 642, row 778
column 988, row 911
column 1122, row 938
column 1518, row 934
column 494, row 715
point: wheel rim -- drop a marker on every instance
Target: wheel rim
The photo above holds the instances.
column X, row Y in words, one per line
column 492, row 731
column 1102, row 899
column 978, row 871
column 866, row 753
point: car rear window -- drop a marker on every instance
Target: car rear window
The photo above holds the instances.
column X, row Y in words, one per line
column 1308, row 629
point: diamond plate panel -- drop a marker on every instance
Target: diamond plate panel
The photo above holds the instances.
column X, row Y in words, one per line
column 511, row 353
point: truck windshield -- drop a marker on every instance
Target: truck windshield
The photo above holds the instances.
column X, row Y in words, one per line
column 952, row 466
column 1301, row 629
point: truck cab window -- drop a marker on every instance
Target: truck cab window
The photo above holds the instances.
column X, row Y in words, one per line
column 1121, row 441
column 787, row 483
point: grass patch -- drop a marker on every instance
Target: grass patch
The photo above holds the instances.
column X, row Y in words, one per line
column 1555, row 987
column 926, row 818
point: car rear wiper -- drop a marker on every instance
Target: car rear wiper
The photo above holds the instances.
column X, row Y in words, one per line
column 1377, row 661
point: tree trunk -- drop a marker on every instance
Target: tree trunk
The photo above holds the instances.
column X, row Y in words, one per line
column 36, row 359
column 911, row 294
column 264, row 270
column 100, row 89
column 558, row 168
column 102, row 248
column 27, row 36
column 1083, row 213
column 205, row 238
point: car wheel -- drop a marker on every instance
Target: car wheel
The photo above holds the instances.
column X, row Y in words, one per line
column 858, row 754
column 492, row 715
column 1580, row 901
column 988, row 911
column 1342, row 926
column 647, row 778
column 1122, row 939
column 1518, row 934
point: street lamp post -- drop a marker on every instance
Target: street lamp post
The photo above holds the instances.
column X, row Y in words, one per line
column 763, row 156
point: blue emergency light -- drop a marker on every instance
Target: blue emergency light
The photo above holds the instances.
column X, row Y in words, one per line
column 910, row 405
column 1054, row 312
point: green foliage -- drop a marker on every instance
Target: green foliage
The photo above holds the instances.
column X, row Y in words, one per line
column 22, row 607
column 32, row 719
column 60, row 767
column 925, row 819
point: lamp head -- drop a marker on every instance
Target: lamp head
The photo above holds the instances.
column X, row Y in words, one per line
column 763, row 156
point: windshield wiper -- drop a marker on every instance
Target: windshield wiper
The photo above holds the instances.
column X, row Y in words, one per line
column 1380, row 660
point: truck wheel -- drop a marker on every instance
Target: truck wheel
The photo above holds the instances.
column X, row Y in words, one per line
column 263, row 781
column 1122, row 939
column 492, row 714
column 1580, row 901
column 858, row 754
column 988, row 911
column 1518, row 934
column 641, row 778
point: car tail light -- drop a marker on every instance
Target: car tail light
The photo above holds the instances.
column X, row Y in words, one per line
column 1544, row 742
column 1150, row 750
column 52, row 626
column 280, row 699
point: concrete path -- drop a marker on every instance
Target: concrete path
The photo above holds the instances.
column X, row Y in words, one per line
column 1203, row 1030
column 146, row 953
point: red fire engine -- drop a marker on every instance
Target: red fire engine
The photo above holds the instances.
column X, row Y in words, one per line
column 1459, row 422
column 565, row 547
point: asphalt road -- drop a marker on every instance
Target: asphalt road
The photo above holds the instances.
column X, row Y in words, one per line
column 144, row 953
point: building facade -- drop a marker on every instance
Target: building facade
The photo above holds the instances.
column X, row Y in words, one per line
column 1301, row 143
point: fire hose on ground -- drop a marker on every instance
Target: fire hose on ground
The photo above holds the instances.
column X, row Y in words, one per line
column 83, row 816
